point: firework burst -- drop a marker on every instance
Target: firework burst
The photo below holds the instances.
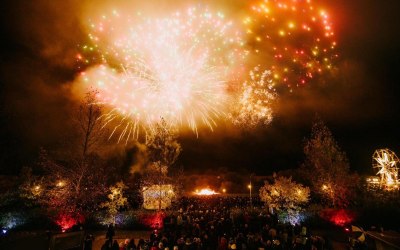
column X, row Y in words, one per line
column 295, row 37
column 254, row 102
column 176, row 68
column 187, row 68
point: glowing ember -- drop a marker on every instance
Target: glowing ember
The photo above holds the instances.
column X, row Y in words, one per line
column 205, row 191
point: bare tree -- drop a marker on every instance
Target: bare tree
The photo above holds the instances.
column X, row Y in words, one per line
column 89, row 123
column 75, row 181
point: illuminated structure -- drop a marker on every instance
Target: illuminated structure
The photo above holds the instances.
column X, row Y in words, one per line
column 386, row 162
column 156, row 194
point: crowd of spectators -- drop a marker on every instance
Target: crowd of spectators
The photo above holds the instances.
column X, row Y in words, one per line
column 223, row 223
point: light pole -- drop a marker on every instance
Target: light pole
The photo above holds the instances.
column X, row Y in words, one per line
column 250, row 188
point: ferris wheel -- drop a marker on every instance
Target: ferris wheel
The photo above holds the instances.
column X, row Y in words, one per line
column 386, row 162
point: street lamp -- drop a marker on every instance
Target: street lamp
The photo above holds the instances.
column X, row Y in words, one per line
column 250, row 186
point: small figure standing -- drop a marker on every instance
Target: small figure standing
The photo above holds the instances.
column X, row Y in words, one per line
column 88, row 242
column 110, row 232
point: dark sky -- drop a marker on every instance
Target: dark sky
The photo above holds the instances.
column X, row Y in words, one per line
column 360, row 106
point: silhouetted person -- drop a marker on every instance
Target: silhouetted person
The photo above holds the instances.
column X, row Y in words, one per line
column 131, row 245
column 88, row 242
column 110, row 232
column 106, row 245
column 115, row 245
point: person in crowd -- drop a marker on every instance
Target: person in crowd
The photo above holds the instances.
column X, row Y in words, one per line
column 107, row 245
column 131, row 245
column 88, row 242
column 110, row 232
column 223, row 223
column 115, row 245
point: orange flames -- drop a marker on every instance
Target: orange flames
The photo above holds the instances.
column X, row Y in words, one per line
column 205, row 191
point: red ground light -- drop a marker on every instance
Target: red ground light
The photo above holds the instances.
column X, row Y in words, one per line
column 339, row 217
column 67, row 221
column 154, row 221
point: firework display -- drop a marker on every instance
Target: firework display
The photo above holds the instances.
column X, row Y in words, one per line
column 189, row 67
column 253, row 106
column 176, row 68
column 295, row 38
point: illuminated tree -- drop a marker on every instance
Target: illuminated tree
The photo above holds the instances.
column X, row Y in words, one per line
column 162, row 145
column 285, row 196
column 327, row 168
column 163, row 151
column 116, row 201
column 31, row 186
column 75, row 177
column 73, row 187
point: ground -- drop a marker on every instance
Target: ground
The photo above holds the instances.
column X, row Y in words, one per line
column 39, row 240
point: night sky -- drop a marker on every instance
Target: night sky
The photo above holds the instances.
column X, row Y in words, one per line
column 360, row 105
